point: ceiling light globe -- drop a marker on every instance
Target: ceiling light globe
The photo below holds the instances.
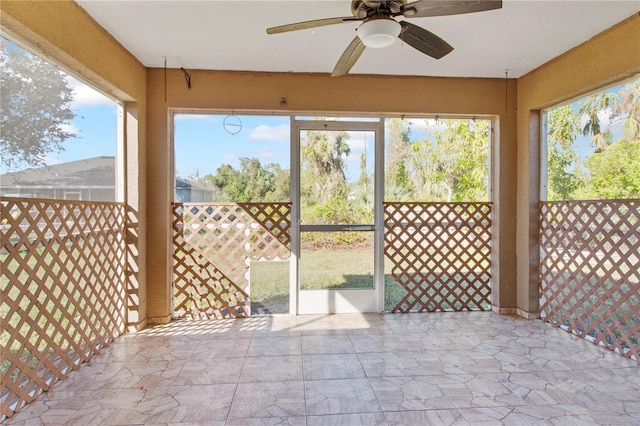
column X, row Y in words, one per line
column 379, row 33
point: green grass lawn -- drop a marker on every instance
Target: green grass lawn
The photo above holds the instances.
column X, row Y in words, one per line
column 269, row 287
column 321, row 269
column 331, row 268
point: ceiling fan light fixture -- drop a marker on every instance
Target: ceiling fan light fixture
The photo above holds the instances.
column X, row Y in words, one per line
column 378, row 33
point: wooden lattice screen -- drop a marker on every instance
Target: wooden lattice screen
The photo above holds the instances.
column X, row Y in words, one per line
column 441, row 255
column 590, row 271
column 213, row 245
column 62, row 290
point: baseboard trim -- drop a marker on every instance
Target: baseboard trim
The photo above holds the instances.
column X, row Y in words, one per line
column 527, row 315
column 503, row 311
column 166, row 319
column 134, row 327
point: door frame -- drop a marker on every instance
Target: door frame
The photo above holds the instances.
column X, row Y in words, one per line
column 337, row 300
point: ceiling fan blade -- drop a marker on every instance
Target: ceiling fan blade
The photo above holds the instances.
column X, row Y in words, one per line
column 348, row 58
column 423, row 8
column 310, row 24
column 424, row 41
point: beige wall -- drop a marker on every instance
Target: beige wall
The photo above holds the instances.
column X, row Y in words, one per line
column 63, row 32
column 315, row 93
column 610, row 57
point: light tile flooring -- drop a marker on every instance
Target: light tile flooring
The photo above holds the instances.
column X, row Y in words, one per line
column 414, row 369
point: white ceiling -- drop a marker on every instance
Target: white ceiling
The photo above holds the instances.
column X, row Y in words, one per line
column 230, row 35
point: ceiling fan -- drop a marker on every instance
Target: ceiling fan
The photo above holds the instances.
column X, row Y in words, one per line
column 380, row 29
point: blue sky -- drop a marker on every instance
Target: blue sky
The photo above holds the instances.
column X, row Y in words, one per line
column 202, row 144
column 95, row 124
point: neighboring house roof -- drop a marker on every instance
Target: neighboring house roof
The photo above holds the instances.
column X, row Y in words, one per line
column 185, row 184
column 96, row 172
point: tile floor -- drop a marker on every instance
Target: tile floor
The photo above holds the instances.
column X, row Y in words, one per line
column 414, row 369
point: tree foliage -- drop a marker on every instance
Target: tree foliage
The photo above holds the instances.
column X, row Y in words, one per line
column 591, row 108
column 35, row 105
column 450, row 164
column 562, row 161
column 253, row 182
column 325, row 192
column 323, row 165
column 460, row 160
column 612, row 122
column 398, row 185
column 615, row 172
column 629, row 106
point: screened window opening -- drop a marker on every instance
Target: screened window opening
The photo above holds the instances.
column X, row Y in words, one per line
column 59, row 136
column 592, row 146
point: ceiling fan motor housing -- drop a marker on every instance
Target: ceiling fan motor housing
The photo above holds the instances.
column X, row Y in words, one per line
column 363, row 9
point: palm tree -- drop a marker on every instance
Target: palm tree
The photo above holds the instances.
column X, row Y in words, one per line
column 629, row 106
column 398, row 156
column 591, row 108
column 323, row 155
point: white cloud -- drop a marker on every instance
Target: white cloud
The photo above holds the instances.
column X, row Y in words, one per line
column 358, row 140
column 70, row 128
column 263, row 132
column 52, row 159
column 603, row 116
column 353, row 157
column 421, row 124
column 86, row 96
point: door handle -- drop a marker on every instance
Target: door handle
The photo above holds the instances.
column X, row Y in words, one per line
column 361, row 228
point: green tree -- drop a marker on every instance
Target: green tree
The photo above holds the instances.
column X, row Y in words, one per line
column 258, row 181
column 423, row 173
column 629, row 108
column 323, row 164
column 362, row 190
column 397, row 180
column 35, row 105
column 252, row 183
column 452, row 165
column 591, row 108
column 228, row 181
column 615, row 172
column 325, row 190
column 364, row 178
column 563, row 174
column 281, row 183
column 611, row 170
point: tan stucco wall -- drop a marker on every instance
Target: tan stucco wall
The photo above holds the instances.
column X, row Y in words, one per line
column 608, row 58
column 316, row 93
column 67, row 35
